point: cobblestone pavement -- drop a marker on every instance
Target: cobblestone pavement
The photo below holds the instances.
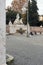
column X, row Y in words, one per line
column 26, row 51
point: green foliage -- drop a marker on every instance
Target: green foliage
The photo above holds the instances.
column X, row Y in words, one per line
column 33, row 14
column 11, row 15
column 24, row 16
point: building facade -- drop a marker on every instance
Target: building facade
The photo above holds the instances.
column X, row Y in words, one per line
column 41, row 18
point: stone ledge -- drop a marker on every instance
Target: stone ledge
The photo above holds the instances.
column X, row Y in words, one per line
column 9, row 58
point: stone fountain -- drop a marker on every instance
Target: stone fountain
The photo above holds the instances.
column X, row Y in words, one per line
column 11, row 28
column 17, row 19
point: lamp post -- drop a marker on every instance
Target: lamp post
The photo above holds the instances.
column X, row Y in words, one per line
column 28, row 27
column 24, row 9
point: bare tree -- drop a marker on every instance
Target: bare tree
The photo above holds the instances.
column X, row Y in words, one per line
column 17, row 5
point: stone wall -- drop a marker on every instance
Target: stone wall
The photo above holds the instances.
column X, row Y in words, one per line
column 32, row 29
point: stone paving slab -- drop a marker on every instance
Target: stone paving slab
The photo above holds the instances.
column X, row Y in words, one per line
column 27, row 51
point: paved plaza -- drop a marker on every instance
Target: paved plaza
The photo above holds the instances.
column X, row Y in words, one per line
column 26, row 51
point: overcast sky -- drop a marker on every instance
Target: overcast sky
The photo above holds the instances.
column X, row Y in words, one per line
column 39, row 3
